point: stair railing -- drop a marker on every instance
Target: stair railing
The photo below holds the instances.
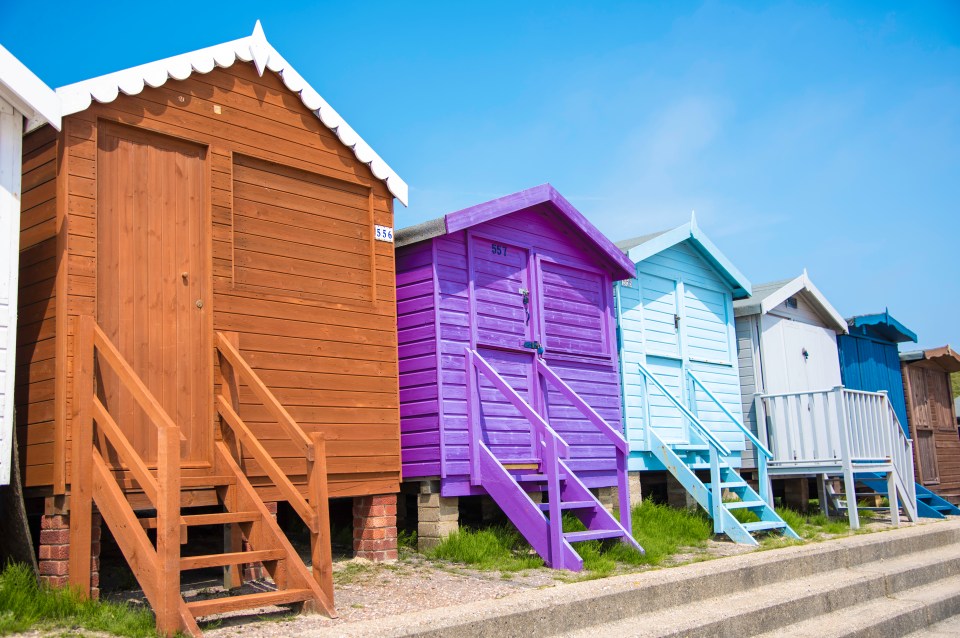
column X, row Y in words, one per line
column 613, row 435
column 717, row 448
column 550, row 446
column 840, row 430
column 315, row 510
column 157, row 569
column 763, row 454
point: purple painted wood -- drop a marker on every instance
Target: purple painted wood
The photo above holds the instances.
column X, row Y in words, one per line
column 476, row 215
column 524, row 513
column 525, row 268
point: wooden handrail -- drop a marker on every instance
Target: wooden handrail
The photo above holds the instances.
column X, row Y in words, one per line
column 511, row 395
column 704, row 430
column 746, row 431
column 605, row 428
column 157, row 570
column 283, row 483
column 314, row 512
column 293, row 429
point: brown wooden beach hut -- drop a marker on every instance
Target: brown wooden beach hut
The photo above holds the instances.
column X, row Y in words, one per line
column 933, row 422
column 207, row 318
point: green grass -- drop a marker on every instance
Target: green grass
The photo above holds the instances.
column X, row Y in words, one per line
column 498, row 547
column 661, row 530
column 812, row 525
column 24, row 604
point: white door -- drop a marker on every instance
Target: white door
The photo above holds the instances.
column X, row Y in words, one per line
column 797, row 356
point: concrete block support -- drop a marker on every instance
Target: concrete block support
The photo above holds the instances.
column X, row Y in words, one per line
column 636, row 489
column 677, row 494
column 796, row 494
column 375, row 527
column 608, row 497
column 437, row 516
column 55, row 551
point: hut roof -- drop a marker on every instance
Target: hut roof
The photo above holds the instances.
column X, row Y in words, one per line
column 881, row 326
column 27, row 93
column 640, row 248
column 945, row 357
column 543, row 194
column 768, row 296
column 253, row 48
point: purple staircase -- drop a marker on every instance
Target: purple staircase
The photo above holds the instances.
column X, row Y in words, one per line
column 510, row 486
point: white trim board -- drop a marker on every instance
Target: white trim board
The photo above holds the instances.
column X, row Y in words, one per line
column 253, row 48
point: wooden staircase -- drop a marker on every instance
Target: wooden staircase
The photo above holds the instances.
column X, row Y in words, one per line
column 929, row 504
column 707, row 453
column 510, row 485
column 158, row 564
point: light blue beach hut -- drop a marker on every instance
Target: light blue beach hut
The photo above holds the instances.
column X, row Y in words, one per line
column 681, row 387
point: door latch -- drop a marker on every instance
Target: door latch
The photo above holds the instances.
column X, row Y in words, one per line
column 676, row 322
column 534, row 345
column 526, row 304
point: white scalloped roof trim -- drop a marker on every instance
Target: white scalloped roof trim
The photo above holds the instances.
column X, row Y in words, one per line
column 253, row 48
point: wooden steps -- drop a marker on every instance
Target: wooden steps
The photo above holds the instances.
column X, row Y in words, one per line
column 230, row 558
column 211, row 606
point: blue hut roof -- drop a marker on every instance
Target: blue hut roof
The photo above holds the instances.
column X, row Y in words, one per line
column 640, row 248
column 881, row 326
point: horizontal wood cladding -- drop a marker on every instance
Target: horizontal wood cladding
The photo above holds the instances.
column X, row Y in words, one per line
column 35, row 385
column 293, row 268
column 301, row 234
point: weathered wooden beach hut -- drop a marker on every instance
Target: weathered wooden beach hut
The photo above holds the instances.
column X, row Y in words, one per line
column 794, row 401
column 870, row 361
column 508, row 367
column 681, row 387
column 26, row 103
column 933, row 421
column 207, row 318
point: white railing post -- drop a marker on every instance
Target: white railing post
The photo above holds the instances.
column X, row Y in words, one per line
column 848, row 481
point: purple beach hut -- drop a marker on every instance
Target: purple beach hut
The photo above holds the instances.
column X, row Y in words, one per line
column 509, row 382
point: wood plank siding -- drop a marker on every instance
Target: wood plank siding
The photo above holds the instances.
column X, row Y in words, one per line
column 273, row 218
column 466, row 289
column 677, row 316
column 933, row 427
column 37, row 313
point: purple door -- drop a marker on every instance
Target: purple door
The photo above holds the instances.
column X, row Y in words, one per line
column 502, row 298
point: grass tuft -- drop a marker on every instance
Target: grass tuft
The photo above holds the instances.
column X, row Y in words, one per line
column 499, row 547
column 663, row 530
column 25, row 604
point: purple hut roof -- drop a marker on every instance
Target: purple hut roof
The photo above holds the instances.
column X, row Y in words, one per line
column 544, row 194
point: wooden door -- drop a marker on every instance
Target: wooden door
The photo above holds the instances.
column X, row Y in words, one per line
column 663, row 350
column 503, row 322
column 798, row 357
column 152, row 281
column 923, row 419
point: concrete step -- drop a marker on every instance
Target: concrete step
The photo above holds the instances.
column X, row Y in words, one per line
column 737, row 596
column 755, row 610
column 912, row 612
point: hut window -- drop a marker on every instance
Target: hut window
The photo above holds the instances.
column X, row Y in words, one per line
column 792, row 302
column 300, row 234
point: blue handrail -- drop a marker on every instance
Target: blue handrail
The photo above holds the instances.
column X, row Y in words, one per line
column 704, row 431
column 753, row 439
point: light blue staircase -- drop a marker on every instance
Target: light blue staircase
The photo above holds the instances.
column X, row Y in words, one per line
column 684, row 460
column 929, row 504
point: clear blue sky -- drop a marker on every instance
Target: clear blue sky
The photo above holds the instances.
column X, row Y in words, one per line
column 804, row 135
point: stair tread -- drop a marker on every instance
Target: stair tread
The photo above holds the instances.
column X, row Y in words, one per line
column 248, row 601
column 724, row 484
column 230, row 558
column 593, row 534
column 757, row 526
column 530, row 478
column 734, row 505
column 570, row 505
column 207, row 519
column 207, row 480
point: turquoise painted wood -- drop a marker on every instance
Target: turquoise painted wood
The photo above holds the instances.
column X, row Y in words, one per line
column 677, row 315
